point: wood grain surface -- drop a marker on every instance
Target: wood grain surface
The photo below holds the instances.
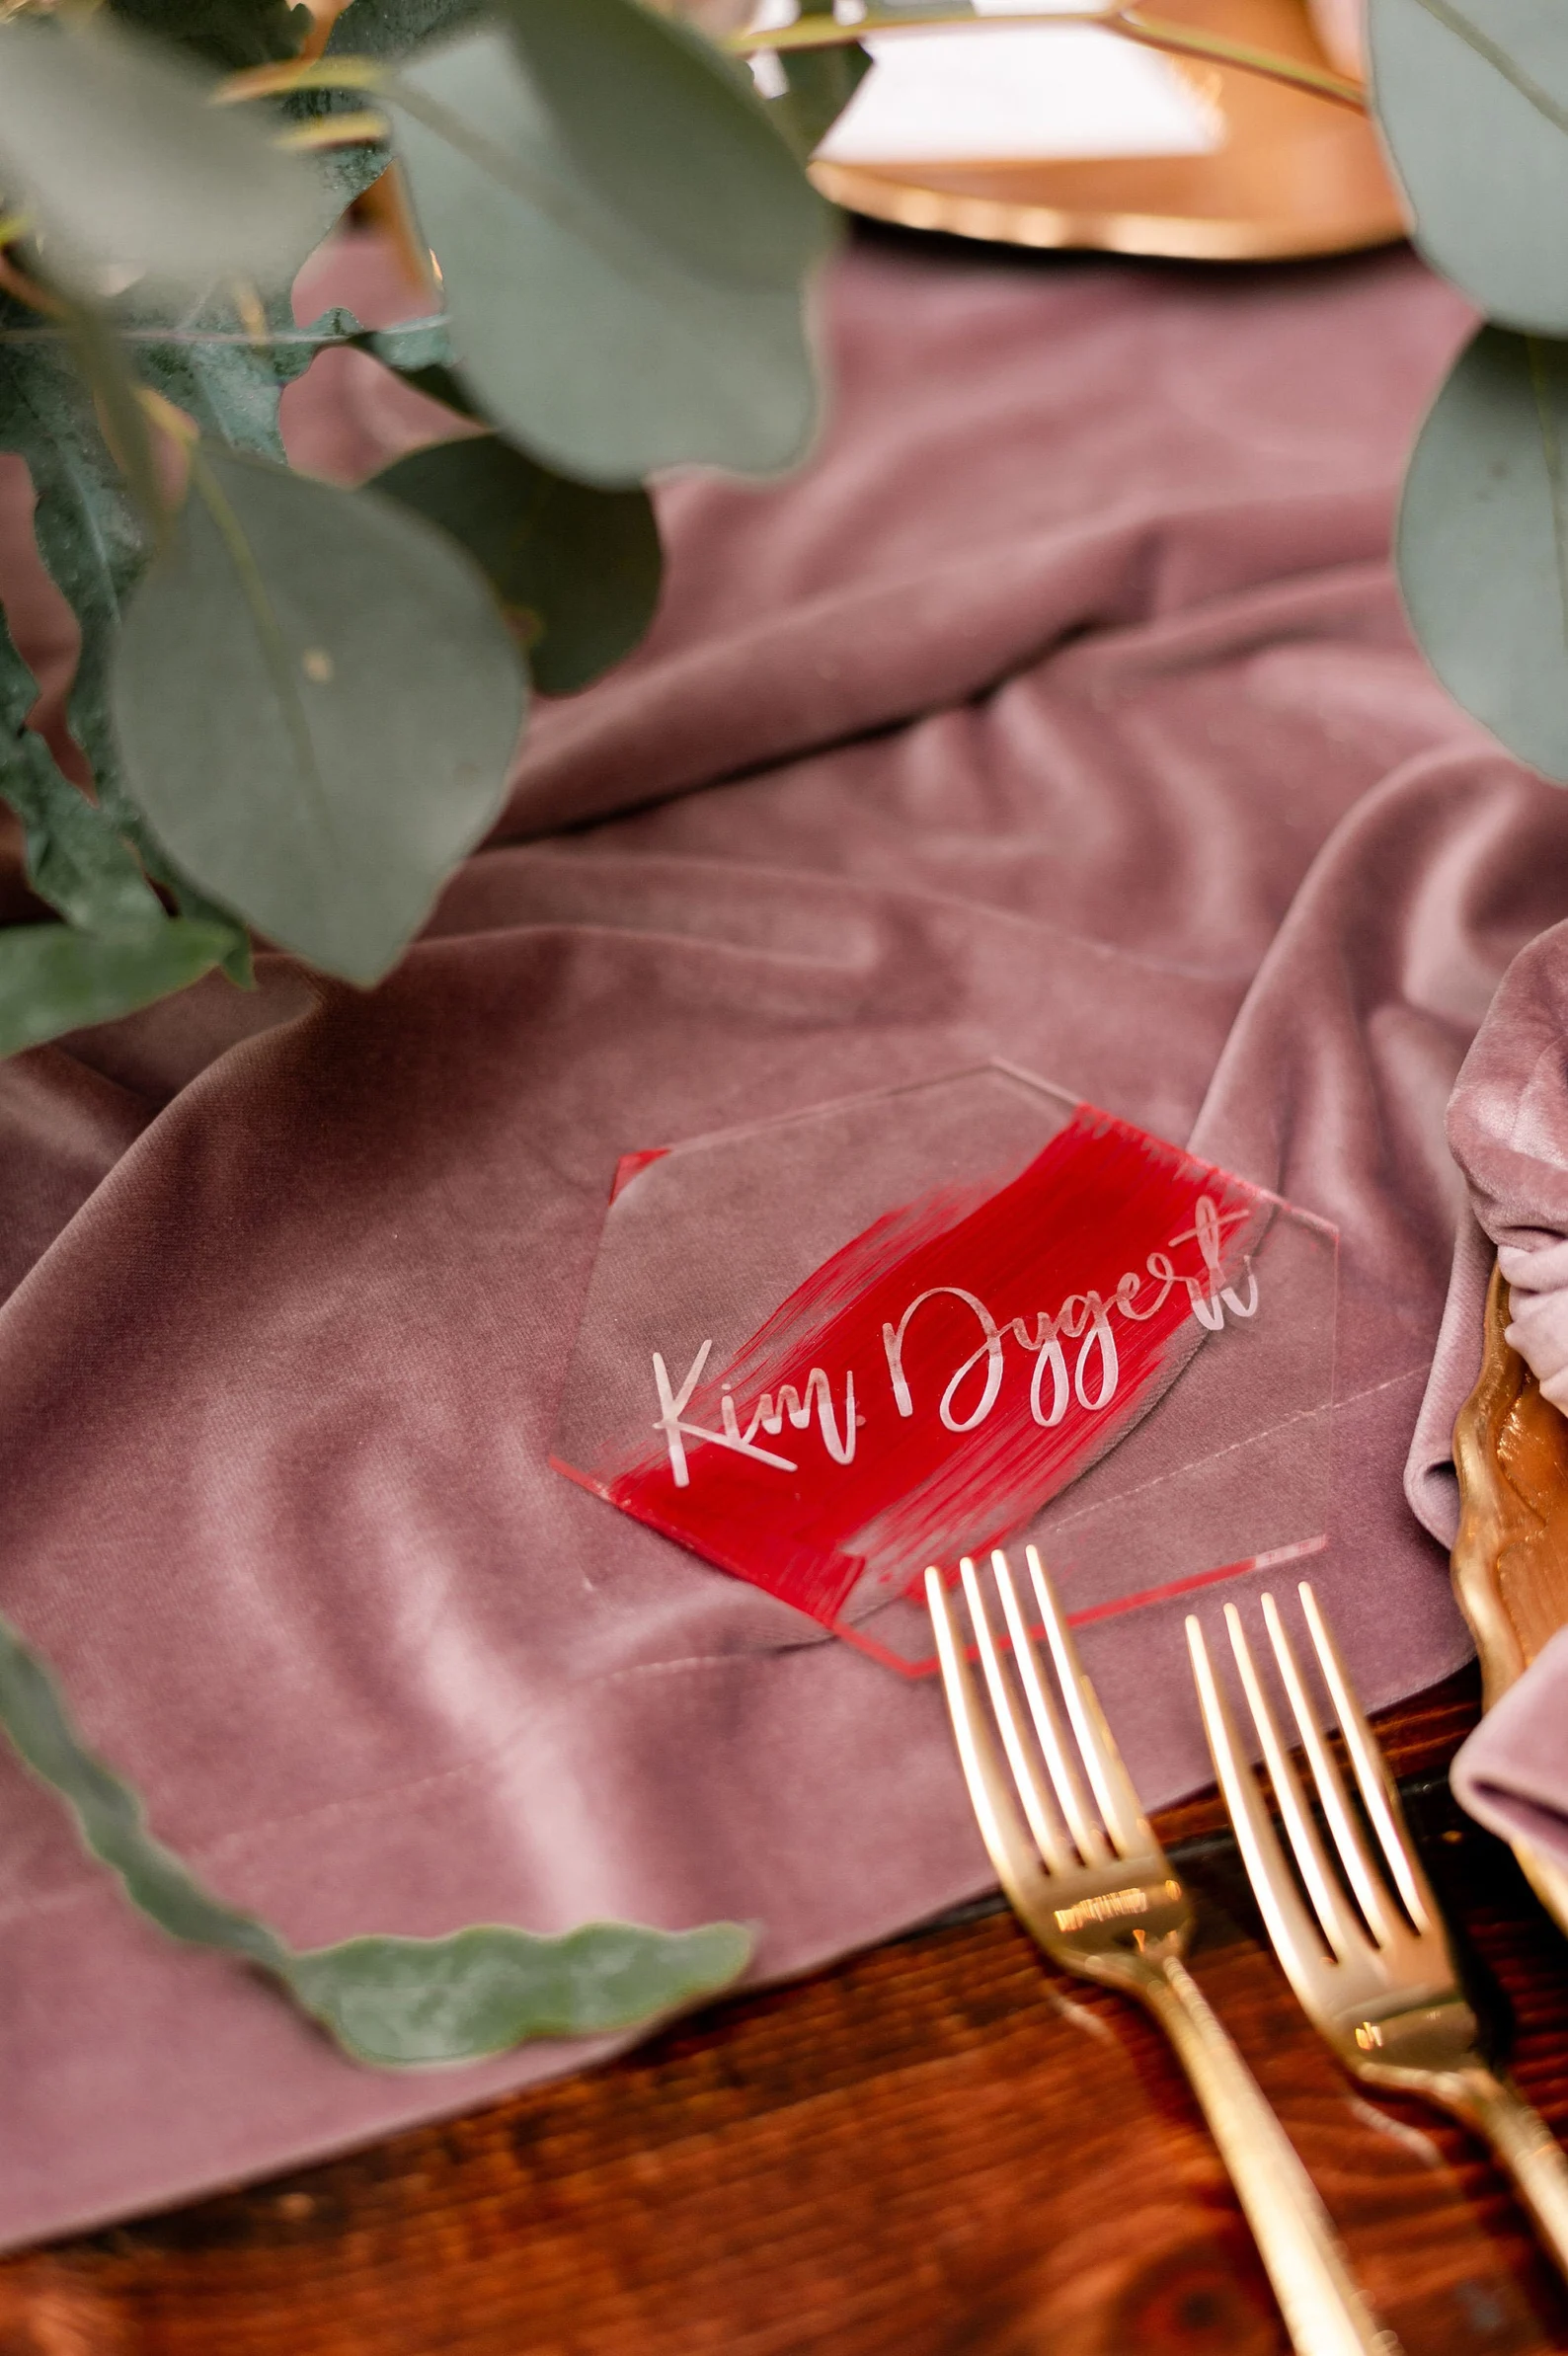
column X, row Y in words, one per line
column 1511, row 1554
column 939, row 2149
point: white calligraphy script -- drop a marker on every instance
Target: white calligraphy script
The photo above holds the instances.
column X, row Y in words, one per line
column 1083, row 1317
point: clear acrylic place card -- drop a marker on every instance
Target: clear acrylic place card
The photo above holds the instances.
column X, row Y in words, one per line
column 825, row 1351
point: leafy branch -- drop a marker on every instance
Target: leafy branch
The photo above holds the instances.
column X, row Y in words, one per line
column 820, row 31
column 297, row 704
column 813, row 33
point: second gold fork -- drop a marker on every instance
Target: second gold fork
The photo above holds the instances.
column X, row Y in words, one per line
column 1361, row 1938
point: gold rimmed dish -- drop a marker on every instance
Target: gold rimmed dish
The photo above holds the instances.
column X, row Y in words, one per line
column 1291, row 175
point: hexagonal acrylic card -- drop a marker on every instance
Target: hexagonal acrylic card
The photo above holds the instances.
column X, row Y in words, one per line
column 827, row 1349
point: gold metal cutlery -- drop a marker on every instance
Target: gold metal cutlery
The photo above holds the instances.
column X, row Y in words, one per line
column 1355, row 1925
column 1075, row 1855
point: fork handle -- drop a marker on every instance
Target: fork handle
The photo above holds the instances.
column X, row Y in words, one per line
column 1324, row 2311
column 1526, row 2147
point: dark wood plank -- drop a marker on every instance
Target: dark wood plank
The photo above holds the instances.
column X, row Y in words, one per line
column 939, row 2149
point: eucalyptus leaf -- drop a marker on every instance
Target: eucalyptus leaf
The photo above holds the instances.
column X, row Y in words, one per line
column 109, row 143
column 109, row 1818
column 89, row 533
column 417, row 343
column 1482, row 542
column 316, row 700
column 576, row 570
column 117, row 399
column 55, row 978
column 391, row 2001
column 236, row 961
column 440, row 383
column 341, row 173
column 405, row 2001
column 230, row 382
column 395, row 29
column 1473, row 100
column 601, row 169
column 77, row 859
column 227, row 34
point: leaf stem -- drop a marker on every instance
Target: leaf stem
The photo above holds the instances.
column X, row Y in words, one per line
column 302, row 73
column 204, row 338
column 167, row 417
column 1152, row 32
column 334, row 130
column 16, row 281
column 1182, row 40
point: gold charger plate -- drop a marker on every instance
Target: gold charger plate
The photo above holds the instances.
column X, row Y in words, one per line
column 1294, row 174
column 1510, row 1560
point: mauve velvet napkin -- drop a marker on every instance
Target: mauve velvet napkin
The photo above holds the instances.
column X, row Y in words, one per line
column 1062, row 711
column 1507, row 1124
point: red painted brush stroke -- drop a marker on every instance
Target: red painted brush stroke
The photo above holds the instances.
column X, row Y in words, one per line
column 629, row 1164
column 1081, row 1221
column 1271, row 1560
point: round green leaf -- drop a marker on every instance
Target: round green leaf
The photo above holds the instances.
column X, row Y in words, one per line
column 576, row 568
column 598, row 168
column 317, row 699
column 1473, row 98
column 109, row 143
column 55, row 978
column 1483, row 543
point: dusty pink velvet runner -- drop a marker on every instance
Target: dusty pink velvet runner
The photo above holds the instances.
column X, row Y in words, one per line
column 1061, row 710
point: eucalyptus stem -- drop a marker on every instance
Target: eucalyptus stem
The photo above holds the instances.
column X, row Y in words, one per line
column 302, row 73
column 1185, row 40
column 334, row 130
column 825, row 33
column 1150, row 32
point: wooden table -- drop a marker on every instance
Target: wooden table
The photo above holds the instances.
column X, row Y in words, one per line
column 938, row 2149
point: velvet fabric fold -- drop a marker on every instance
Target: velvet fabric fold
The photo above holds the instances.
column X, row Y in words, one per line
column 1508, row 1124
column 1062, row 710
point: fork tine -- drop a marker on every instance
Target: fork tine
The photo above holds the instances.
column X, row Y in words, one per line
column 1368, row 1883
column 1339, row 1925
column 1294, row 1935
column 1379, row 1794
column 1012, row 1853
column 1125, row 1821
column 1042, row 1819
column 1053, row 1742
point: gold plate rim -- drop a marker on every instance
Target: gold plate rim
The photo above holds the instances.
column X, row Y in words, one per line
column 1175, row 237
column 1293, row 175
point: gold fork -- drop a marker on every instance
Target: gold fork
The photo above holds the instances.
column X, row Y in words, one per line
column 1376, row 1976
column 1087, row 1878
